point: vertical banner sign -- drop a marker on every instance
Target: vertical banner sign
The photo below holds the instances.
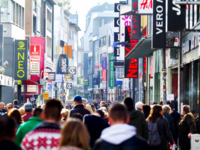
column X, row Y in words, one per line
column 131, row 65
column 176, row 16
column 104, row 75
column 116, row 22
column 145, row 64
column 111, row 71
column 159, row 34
column 104, row 61
column 21, row 58
column 62, row 67
column 135, row 22
column 35, row 65
column 1, row 42
column 145, row 6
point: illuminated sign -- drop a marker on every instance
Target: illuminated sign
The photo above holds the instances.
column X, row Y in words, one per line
column 62, row 67
column 145, row 6
column 21, row 60
column 35, row 50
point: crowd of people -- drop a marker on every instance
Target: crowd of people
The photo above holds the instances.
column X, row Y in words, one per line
column 83, row 126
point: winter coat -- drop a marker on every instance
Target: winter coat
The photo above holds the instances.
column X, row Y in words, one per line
column 8, row 145
column 187, row 125
column 26, row 128
column 79, row 109
column 137, row 119
column 120, row 137
column 95, row 126
column 69, row 148
column 165, row 135
column 177, row 118
column 170, row 120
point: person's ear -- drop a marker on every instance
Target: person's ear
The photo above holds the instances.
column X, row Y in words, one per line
column 128, row 119
column 42, row 116
column 110, row 120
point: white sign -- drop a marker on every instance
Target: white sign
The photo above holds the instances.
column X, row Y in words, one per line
column 35, row 65
column 46, row 75
column 72, row 70
column 170, row 97
column 145, row 6
column 32, row 88
column 69, row 85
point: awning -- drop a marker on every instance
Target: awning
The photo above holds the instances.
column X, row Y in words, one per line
column 142, row 49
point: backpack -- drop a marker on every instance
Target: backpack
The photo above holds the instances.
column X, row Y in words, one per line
column 154, row 136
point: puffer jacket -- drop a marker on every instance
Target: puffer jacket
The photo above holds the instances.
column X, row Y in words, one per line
column 137, row 119
column 79, row 109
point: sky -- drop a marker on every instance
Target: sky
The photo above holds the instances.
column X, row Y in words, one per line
column 82, row 7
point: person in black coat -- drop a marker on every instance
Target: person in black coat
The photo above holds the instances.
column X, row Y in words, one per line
column 95, row 126
column 79, row 107
column 120, row 135
column 156, row 115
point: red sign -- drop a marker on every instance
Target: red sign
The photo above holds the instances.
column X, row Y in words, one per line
column 35, row 50
column 46, row 75
column 145, row 64
column 100, row 65
column 103, row 74
column 96, row 66
column 151, row 68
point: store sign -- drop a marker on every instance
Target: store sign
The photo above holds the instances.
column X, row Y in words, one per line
column 45, row 96
column 159, row 35
column 96, row 66
column 52, row 76
column 145, row 6
column 32, row 88
column 116, row 22
column 46, row 75
column 69, row 86
column 81, row 81
column 135, row 22
column 59, row 78
column 35, row 65
column 176, row 16
column 116, row 37
column 104, row 61
column 35, row 49
column 116, row 51
column 68, row 77
column 72, row 70
column 62, row 67
column 21, row 60
column 103, row 74
column 86, row 82
column 111, row 71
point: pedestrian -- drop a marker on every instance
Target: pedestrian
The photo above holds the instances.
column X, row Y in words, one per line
column 15, row 114
column 47, row 134
column 99, row 113
column 16, row 104
column 9, row 106
column 64, row 114
column 29, row 125
column 93, row 108
column 7, row 134
column 138, row 106
column 170, row 119
column 22, row 111
column 2, row 110
column 146, row 110
column 120, row 135
column 187, row 127
column 79, row 107
column 95, row 126
column 162, row 126
column 103, row 104
column 28, row 107
column 88, row 107
column 137, row 119
column 74, row 136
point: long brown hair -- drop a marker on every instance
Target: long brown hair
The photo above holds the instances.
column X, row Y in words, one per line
column 74, row 133
column 15, row 114
column 155, row 113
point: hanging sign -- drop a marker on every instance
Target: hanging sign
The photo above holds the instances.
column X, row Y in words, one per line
column 52, row 76
column 72, row 70
column 31, row 88
column 35, row 49
column 45, row 96
column 35, row 65
column 111, row 71
column 69, row 85
column 145, row 6
column 62, row 67
column 21, row 60
column 46, row 75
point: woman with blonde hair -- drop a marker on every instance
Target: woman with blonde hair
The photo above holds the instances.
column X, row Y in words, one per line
column 22, row 111
column 74, row 136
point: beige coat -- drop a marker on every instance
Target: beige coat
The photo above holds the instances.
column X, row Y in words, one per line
column 69, row 148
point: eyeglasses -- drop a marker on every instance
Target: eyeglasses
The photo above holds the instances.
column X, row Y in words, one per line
column 10, row 107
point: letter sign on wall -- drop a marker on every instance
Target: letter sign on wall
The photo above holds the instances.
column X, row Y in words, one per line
column 21, row 60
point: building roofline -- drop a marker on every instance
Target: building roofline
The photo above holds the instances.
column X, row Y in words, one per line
column 67, row 11
column 75, row 26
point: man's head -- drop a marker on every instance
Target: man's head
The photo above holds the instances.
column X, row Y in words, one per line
column 1, row 106
column 52, row 110
column 138, row 106
column 9, row 106
column 77, row 100
column 102, row 103
column 118, row 114
column 28, row 107
column 186, row 109
column 37, row 113
column 15, row 102
column 128, row 101
column 7, row 129
column 84, row 102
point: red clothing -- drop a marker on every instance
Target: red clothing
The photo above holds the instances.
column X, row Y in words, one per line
column 26, row 117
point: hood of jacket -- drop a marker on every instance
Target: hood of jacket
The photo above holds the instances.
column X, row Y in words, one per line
column 134, row 113
column 117, row 134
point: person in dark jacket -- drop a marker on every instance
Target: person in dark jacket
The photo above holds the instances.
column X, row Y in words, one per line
column 7, row 134
column 137, row 119
column 156, row 115
column 79, row 107
column 170, row 119
column 146, row 110
column 187, row 126
column 95, row 126
column 120, row 135
column 16, row 104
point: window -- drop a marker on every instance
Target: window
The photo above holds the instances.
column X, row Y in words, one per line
column 4, row 9
column 49, row 20
column 102, row 41
column 17, row 14
column 119, row 72
column 49, row 43
column 20, row 16
column 14, row 15
column 38, row 18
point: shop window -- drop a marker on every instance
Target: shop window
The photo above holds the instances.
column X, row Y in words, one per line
column 49, row 43
column 22, row 17
column 4, row 9
column 49, row 20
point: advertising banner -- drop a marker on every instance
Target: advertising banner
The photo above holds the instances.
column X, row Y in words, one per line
column 59, row 78
column 95, row 79
column 176, row 16
column 86, row 82
column 145, row 6
column 159, row 34
column 31, row 88
column 35, row 65
column 21, row 60
column 104, row 61
column 35, row 49
column 81, row 81
column 103, row 74
column 68, row 77
column 62, row 67
column 45, row 96
column 111, row 71
column 52, row 76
